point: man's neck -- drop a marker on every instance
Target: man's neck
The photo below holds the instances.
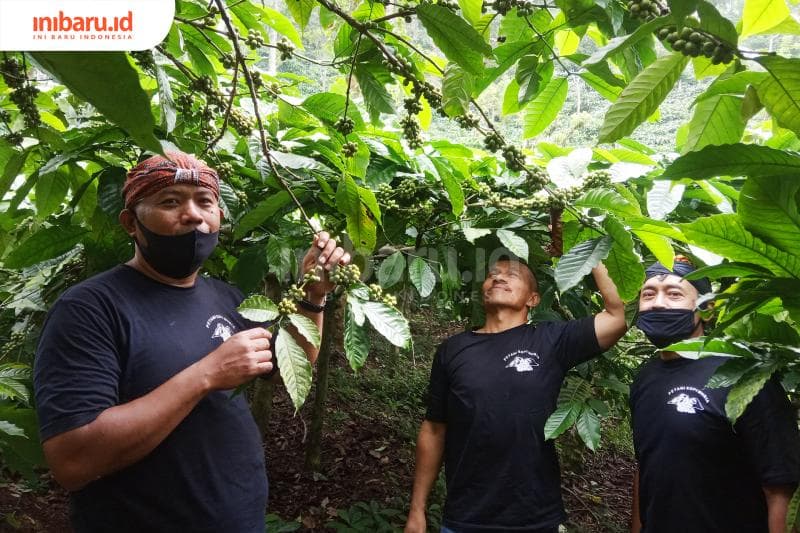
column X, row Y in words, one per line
column 503, row 318
column 142, row 266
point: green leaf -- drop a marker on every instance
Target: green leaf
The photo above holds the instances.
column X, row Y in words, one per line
column 768, row 208
column 733, row 160
column 422, row 277
column 295, row 368
column 389, row 322
column 780, row 93
column 452, row 185
column 701, row 347
column 580, row 260
column 329, row 107
column 459, row 41
column 726, row 236
column 528, row 78
column 663, row 197
column 618, row 44
column 623, row 264
column 165, row 100
column 301, row 11
column 543, row 109
column 261, row 212
column 506, row 55
column 515, row 244
column 561, row 420
column 642, row 96
column 104, row 79
column 306, row 327
column 471, row 10
column 680, row 9
column 12, row 169
column 45, row 244
column 475, row 233
column 659, row 246
column 376, row 98
column 278, row 22
column 21, row 453
column 608, row 200
column 588, row 426
column 51, row 190
column 8, row 428
column 356, row 342
column 728, row 270
column 735, row 84
column 761, row 16
column 258, row 308
column 391, row 269
column 571, row 398
column 280, row 257
column 456, row 90
column 745, row 390
column 605, row 87
column 716, row 120
column 360, row 226
column 714, row 23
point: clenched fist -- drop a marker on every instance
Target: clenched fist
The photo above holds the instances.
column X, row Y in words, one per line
column 237, row 360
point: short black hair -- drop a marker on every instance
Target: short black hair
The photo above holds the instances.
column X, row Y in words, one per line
column 509, row 257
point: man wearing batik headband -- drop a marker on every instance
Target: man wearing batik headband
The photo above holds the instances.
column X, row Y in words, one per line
column 697, row 472
column 135, row 370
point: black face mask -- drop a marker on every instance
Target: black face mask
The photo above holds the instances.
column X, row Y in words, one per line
column 666, row 326
column 177, row 256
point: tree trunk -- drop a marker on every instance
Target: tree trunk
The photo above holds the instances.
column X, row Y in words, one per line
column 262, row 390
column 314, row 446
column 261, row 402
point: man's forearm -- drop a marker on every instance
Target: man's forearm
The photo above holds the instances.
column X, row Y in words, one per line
column 778, row 498
column 124, row 434
column 636, row 520
column 610, row 323
column 430, row 450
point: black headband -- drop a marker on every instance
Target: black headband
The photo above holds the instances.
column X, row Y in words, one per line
column 680, row 269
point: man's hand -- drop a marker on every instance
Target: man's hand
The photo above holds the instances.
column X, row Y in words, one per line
column 240, row 358
column 416, row 522
column 324, row 253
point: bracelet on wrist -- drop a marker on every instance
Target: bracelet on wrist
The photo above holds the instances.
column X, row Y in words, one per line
column 311, row 307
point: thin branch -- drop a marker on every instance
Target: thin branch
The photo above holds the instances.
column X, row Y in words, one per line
column 254, row 96
column 228, row 109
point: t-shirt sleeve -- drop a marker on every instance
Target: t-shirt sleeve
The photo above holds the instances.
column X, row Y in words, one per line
column 577, row 342
column 76, row 370
column 769, row 429
column 438, row 389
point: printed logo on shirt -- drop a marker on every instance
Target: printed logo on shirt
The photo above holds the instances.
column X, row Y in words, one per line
column 687, row 400
column 522, row 360
column 221, row 327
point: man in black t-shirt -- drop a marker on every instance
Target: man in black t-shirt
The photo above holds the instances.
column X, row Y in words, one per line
column 491, row 391
column 135, row 366
column 698, row 473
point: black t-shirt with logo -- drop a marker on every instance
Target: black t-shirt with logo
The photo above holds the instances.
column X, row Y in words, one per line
column 495, row 391
column 118, row 336
column 697, row 472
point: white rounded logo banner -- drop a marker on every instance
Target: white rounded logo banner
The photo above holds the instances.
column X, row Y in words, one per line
column 84, row 25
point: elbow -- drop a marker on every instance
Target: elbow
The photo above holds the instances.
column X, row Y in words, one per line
column 71, row 477
column 69, row 472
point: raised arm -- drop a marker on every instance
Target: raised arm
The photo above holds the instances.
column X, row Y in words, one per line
column 323, row 256
column 126, row 433
column 609, row 324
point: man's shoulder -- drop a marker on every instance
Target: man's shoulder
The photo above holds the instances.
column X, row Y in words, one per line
column 98, row 285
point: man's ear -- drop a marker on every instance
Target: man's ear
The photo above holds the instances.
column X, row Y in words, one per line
column 127, row 220
column 533, row 300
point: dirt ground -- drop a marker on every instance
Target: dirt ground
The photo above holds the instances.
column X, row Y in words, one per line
column 363, row 460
